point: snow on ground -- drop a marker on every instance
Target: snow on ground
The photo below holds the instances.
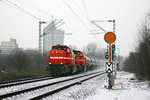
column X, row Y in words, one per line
column 126, row 88
column 78, row 92
column 35, row 84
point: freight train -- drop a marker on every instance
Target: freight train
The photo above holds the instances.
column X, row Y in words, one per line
column 63, row 60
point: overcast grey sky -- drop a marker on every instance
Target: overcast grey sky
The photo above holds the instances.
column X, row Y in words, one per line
column 128, row 14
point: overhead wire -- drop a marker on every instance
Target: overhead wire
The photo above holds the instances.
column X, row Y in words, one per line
column 90, row 21
column 8, row 4
column 77, row 17
column 23, row 2
column 86, row 12
column 51, row 29
column 20, row 9
column 87, row 16
column 27, row 3
column 98, row 26
column 75, row 14
column 36, row 7
column 11, row 4
column 82, row 12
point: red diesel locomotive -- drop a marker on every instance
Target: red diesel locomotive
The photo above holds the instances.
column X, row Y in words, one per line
column 62, row 60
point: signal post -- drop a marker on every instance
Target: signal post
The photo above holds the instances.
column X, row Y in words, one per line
column 110, row 37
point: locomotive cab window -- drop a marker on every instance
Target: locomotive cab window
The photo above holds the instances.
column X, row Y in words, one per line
column 81, row 55
column 77, row 53
column 59, row 48
column 68, row 51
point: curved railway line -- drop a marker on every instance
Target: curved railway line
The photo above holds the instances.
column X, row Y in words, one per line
column 43, row 90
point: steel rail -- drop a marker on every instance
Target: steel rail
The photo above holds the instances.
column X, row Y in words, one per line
column 63, row 88
column 42, row 86
column 11, row 81
column 25, row 81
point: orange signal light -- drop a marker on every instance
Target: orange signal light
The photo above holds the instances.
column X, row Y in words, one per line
column 106, row 57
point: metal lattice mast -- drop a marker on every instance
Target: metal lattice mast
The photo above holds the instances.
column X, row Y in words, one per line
column 114, row 26
column 39, row 43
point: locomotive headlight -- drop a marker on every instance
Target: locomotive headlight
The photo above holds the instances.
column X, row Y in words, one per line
column 49, row 62
column 61, row 63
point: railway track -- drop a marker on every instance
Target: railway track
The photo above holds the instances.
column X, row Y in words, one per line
column 24, row 81
column 52, row 86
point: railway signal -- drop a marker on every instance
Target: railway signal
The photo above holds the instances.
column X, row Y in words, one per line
column 106, row 55
column 113, row 47
column 110, row 38
column 113, row 51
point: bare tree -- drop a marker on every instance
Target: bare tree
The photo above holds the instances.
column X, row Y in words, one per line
column 93, row 51
column 139, row 61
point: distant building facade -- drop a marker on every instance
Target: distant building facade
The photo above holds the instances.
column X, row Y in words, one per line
column 53, row 37
column 8, row 47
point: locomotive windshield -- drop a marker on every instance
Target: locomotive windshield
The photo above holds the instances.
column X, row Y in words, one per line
column 75, row 52
column 59, row 48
